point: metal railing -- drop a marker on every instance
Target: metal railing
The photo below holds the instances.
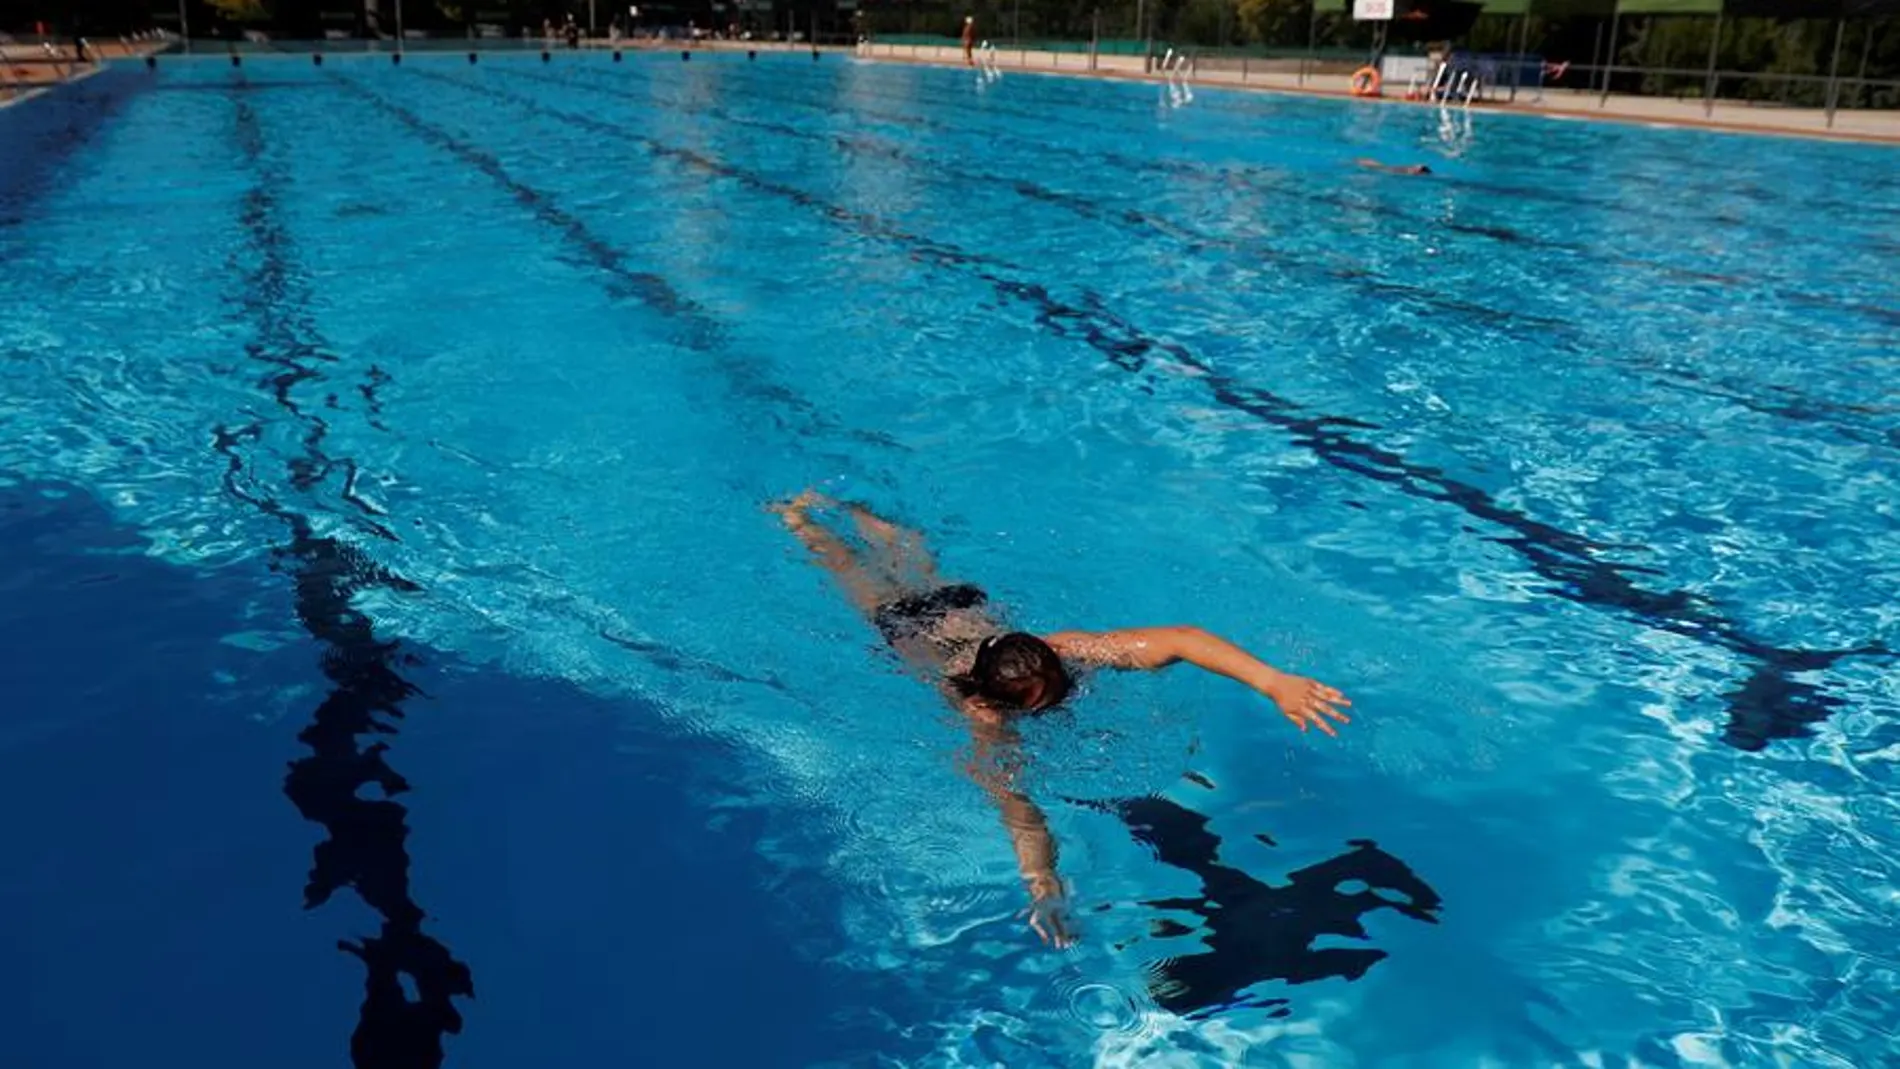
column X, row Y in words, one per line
column 1761, row 89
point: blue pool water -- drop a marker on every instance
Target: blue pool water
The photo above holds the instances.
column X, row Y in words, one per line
column 402, row 664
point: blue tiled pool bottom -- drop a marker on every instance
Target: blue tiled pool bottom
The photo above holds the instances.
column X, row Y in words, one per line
column 412, row 670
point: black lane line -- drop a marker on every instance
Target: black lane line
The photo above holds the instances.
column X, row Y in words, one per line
column 1250, row 178
column 1540, row 329
column 1252, row 932
column 40, row 137
column 1078, row 100
column 1784, row 402
column 1759, row 195
column 1770, row 703
column 699, row 331
column 1543, row 331
column 922, row 249
column 342, row 785
column 702, row 331
column 1827, row 416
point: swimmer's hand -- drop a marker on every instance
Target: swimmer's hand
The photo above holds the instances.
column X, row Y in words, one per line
column 1049, row 912
column 793, row 512
column 1307, row 702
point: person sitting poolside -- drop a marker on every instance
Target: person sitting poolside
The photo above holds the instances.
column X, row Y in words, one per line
column 1387, row 168
column 993, row 675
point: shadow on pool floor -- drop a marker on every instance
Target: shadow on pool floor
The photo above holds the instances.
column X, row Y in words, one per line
column 556, row 844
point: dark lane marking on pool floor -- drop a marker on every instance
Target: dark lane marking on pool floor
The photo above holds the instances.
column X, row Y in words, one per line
column 1085, row 100
column 1549, row 333
column 1249, row 176
column 700, row 332
column 1527, row 327
column 1768, row 704
column 41, row 136
column 610, row 261
column 365, row 848
column 335, row 785
column 963, row 105
column 922, row 249
column 1831, row 416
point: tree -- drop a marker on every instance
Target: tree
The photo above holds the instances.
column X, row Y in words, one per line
column 1271, row 22
column 247, row 12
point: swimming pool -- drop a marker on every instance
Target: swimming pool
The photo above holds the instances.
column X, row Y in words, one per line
column 436, row 408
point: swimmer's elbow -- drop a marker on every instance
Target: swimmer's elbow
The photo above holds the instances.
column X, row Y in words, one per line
column 1143, row 649
column 1155, row 648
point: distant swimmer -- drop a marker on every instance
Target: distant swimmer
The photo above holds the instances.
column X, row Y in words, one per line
column 969, row 40
column 1387, row 168
column 993, row 675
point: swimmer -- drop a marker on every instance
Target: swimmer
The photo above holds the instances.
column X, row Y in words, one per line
column 1387, row 168
column 994, row 675
column 969, row 40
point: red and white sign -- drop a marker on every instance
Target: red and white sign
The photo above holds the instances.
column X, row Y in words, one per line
column 1372, row 10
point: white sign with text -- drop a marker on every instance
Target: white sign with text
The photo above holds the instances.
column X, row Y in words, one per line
column 1370, row 10
column 1405, row 70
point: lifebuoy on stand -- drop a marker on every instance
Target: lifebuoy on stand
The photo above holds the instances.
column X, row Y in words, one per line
column 1366, row 82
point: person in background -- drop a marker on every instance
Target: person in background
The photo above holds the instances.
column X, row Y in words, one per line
column 969, row 40
column 995, row 676
column 1387, row 168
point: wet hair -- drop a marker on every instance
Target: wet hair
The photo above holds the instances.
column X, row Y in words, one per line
column 1014, row 669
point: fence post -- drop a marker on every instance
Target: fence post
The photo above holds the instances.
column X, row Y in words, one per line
column 1609, row 61
column 1596, row 53
column 1523, row 42
column 1866, row 42
column 1312, row 40
column 1141, row 21
column 1708, row 88
column 1833, row 69
column 1095, row 37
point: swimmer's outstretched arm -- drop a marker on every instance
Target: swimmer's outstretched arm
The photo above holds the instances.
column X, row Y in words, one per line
column 1306, row 702
column 1029, row 834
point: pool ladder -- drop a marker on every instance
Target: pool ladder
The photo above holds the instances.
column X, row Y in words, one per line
column 1466, row 83
column 988, row 68
column 1176, row 68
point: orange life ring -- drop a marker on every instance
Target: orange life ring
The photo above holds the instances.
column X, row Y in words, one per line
column 1366, row 82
